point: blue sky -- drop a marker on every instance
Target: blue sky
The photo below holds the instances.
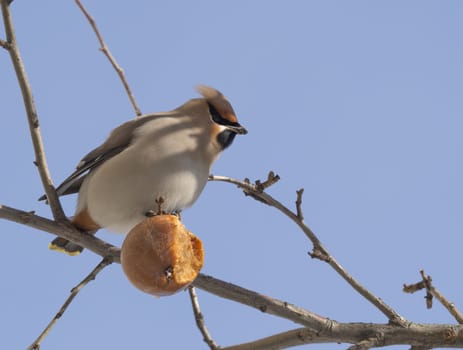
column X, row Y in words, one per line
column 358, row 102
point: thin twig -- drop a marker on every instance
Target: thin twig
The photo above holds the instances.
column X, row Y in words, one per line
column 91, row 276
column 31, row 112
column 199, row 318
column 412, row 288
column 299, row 213
column 272, row 179
column 450, row 306
column 427, row 280
column 5, row 44
column 107, row 53
column 319, row 251
column 432, row 291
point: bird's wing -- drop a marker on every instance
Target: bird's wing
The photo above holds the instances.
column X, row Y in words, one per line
column 119, row 139
column 73, row 182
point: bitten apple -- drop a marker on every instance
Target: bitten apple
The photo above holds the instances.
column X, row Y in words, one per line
column 160, row 256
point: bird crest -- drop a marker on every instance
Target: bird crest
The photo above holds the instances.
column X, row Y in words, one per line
column 219, row 102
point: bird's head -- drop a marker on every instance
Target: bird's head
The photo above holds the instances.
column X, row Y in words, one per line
column 222, row 115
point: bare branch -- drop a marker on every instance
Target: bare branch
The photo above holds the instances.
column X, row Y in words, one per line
column 262, row 302
column 207, row 283
column 107, row 53
column 363, row 336
column 319, row 251
column 427, row 280
column 296, row 337
column 272, row 179
column 320, row 329
column 431, row 291
column 5, row 44
column 299, row 213
column 199, row 318
column 412, row 288
column 450, row 306
column 105, row 262
column 86, row 240
column 258, row 186
column 36, row 136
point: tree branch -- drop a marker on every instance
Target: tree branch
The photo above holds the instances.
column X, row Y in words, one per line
column 299, row 213
column 105, row 262
column 112, row 60
column 6, row 45
column 319, row 329
column 32, row 118
column 86, row 240
column 320, row 252
column 431, row 291
column 199, row 318
column 208, row 283
column 262, row 302
column 363, row 336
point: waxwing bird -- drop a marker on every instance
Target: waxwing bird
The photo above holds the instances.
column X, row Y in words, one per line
column 157, row 156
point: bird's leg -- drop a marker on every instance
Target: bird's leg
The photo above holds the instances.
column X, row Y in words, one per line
column 159, row 201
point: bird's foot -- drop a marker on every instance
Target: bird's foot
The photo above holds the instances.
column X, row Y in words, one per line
column 159, row 202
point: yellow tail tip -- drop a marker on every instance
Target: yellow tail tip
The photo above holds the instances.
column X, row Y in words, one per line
column 59, row 249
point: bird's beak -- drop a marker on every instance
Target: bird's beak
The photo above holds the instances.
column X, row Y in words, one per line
column 237, row 129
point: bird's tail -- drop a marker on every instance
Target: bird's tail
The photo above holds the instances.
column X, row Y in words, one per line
column 62, row 245
column 81, row 221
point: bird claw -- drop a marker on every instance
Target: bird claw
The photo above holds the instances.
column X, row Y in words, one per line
column 159, row 201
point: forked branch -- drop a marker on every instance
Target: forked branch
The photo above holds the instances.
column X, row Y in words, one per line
column 433, row 292
column 255, row 191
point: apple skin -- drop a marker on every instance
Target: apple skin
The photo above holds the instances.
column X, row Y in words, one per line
column 160, row 256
